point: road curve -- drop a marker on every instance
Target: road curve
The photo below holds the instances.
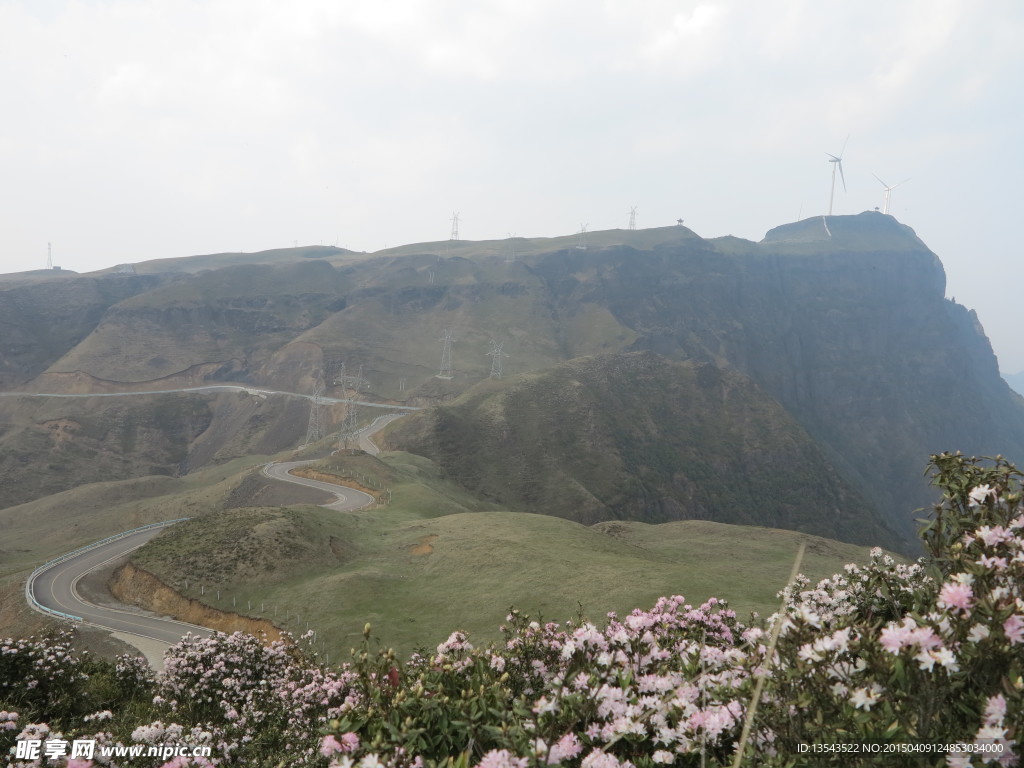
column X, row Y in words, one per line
column 52, row 589
column 55, row 588
column 348, row 498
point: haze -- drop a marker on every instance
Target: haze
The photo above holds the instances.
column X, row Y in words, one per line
column 135, row 131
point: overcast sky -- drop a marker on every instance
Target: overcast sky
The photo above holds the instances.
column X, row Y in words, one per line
column 140, row 129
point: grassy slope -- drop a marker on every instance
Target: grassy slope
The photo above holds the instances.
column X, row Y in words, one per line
column 437, row 560
column 35, row 532
column 635, row 436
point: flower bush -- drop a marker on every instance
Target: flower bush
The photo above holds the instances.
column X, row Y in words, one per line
column 894, row 664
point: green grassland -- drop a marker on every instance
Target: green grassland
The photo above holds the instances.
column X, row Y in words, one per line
column 437, row 560
column 37, row 531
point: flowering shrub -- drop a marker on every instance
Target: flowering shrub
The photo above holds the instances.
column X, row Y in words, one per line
column 901, row 658
column 39, row 675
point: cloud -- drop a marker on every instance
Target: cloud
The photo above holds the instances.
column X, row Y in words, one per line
column 253, row 123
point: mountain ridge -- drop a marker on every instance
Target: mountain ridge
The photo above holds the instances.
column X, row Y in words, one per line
column 848, row 330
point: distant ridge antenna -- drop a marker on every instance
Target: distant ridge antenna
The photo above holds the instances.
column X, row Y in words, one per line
column 446, row 356
column 49, row 256
column 632, row 219
column 455, row 226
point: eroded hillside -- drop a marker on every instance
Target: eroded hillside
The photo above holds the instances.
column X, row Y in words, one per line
column 843, row 322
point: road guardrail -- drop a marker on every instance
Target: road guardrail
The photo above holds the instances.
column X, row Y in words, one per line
column 30, row 582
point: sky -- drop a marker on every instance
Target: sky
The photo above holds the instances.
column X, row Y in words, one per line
column 142, row 129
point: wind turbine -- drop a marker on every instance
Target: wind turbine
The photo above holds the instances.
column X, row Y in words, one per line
column 837, row 162
column 888, row 191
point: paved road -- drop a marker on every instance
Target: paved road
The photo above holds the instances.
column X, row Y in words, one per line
column 348, row 498
column 216, row 388
column 56, row 589
column 375, row 426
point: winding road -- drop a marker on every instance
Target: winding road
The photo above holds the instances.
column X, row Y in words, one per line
column 55, row 589
column 52, row 588
column 348, row 499
column 217, row 388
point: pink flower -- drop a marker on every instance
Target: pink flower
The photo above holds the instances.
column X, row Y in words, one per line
column 329, row 745
column 897, row 636
column 992, row 536
column 565, row 748
column 501, row 758
column 349, row 742
column 995, row 709
column 954, row 595
column 1014, row 629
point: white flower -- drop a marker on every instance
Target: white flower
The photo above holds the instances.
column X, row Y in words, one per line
column 864, row 698
column 946, row 658
column 925, row 660
column 978, row 633
column 980, row 494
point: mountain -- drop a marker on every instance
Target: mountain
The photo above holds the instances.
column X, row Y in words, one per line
column 636, row 436
column 841, row 322
column 1016, row 381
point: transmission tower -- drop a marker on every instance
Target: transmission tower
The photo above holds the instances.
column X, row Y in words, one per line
column 315, row 430
column 455, row 226
column 49, row 256
column 510, row 254
column 446, row 356
column 350, row 429
column 583, row 237
column 632, row 218
column 496, row 354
